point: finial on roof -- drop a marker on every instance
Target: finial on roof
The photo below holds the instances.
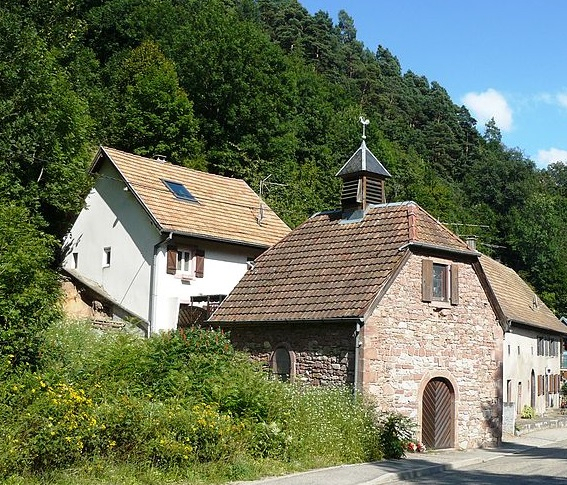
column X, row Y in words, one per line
column 365, row 123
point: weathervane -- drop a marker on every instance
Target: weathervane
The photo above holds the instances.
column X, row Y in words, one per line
column 365, row 123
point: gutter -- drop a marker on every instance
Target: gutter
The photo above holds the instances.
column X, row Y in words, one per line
column 153, row 284
column 434, row 247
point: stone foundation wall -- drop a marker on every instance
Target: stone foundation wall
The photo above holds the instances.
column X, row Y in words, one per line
column 407, row 342
column 322, row 354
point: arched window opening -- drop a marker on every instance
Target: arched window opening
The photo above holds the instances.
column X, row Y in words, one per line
column 281, row 363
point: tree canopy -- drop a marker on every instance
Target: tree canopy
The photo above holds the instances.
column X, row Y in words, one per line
column 257, row 88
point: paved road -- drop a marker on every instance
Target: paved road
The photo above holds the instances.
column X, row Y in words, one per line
column 543, row 465
column 536, row 458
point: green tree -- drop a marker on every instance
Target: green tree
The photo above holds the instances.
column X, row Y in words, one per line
column 44, row 127
column 30, row 290
column 153, row 115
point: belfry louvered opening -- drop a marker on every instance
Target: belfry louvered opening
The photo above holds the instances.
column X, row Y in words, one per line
column 360, row 192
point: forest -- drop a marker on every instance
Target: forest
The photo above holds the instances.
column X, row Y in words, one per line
column 250, row 89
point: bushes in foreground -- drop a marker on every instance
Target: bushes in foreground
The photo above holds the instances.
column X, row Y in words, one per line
column 184, row 403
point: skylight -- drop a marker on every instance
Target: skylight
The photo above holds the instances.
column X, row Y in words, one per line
column 179, row 190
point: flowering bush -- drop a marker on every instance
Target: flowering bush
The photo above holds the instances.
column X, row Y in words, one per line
column 416, row 447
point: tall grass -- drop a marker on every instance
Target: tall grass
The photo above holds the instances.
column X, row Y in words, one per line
column 182, row 407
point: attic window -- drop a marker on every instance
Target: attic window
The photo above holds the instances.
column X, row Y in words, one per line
column 179, row 190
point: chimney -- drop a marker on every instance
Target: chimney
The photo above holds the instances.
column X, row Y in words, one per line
column 160, row 158
column 471, row 242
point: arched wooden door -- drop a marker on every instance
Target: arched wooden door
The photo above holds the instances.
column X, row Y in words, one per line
column 438, row 414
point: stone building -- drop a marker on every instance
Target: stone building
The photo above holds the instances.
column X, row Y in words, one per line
column 383, row 297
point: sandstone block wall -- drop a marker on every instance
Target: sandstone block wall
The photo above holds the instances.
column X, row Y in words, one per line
column 323, row 354
column 407, row 342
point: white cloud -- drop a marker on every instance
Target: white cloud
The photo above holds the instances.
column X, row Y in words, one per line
column 489, row 104
column 562, row 99
column 545, row 157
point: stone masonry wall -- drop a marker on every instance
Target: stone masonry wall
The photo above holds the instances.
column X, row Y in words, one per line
column 406, row 342
column 323, row 354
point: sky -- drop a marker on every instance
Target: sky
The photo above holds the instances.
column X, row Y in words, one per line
column 505, row 59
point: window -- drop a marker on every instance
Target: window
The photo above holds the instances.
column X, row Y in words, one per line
column 179, row 190
column 185, row 263
column 106, row 257
column 282, row 363
column 75, row 260
column 440, row 282
column 184, row 260
column 547, row 346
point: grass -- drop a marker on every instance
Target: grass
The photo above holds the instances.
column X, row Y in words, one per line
column 179, row 408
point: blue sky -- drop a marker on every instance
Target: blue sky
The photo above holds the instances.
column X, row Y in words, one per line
column 501, row 58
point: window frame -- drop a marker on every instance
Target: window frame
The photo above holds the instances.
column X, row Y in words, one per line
column 195, row 262
column 450, row 282
column 106, row 256
column 274, row 363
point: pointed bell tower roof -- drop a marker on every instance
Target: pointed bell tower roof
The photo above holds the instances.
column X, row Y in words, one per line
column 363, row 161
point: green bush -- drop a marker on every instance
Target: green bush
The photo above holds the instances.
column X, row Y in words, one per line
column 29, row 289
column 396, row 431
column 181, row 401
column 528, row 412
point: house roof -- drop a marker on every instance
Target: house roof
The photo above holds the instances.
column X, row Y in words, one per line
column 330, row 268
column 225, row 209
column 517, row 300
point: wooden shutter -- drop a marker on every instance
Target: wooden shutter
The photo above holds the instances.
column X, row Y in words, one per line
column 454, row 284
column 427, row 280
column 171, row 259
column 199, row 263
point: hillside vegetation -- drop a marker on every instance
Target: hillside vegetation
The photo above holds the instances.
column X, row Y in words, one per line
column 175, row 408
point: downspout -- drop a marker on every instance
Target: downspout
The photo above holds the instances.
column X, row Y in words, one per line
column 357, row 345
column 153, row 283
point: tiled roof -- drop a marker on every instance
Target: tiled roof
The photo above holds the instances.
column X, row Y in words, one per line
column 516, row 298
column 227, row 208
column 328, row 268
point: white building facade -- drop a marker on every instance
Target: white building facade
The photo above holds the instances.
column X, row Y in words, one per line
column 155, row 253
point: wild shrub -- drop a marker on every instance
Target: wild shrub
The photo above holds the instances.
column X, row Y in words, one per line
column 395, row 432
column 331, row 425
column 180, row 401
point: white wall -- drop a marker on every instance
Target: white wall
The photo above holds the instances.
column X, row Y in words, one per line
column 113, row 218
column 518, row 366
column 225, row 264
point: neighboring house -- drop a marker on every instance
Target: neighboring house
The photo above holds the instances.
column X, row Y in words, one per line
column 532, row 341
column 164, row 243
column 564, row 352
column 385, row 298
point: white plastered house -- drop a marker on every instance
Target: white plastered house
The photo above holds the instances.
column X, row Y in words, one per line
column 164, row 244
column 532, row 341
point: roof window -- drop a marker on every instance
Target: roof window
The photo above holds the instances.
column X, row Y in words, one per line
column 179, row 190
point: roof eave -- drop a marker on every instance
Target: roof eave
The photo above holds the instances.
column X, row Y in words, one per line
column 440, row 249
column 287, row 321
column 239, row 242
column 536, row 326
column 103, row 155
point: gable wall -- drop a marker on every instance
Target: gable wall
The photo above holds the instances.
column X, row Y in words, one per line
column 406, row 342
column 113, row 218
